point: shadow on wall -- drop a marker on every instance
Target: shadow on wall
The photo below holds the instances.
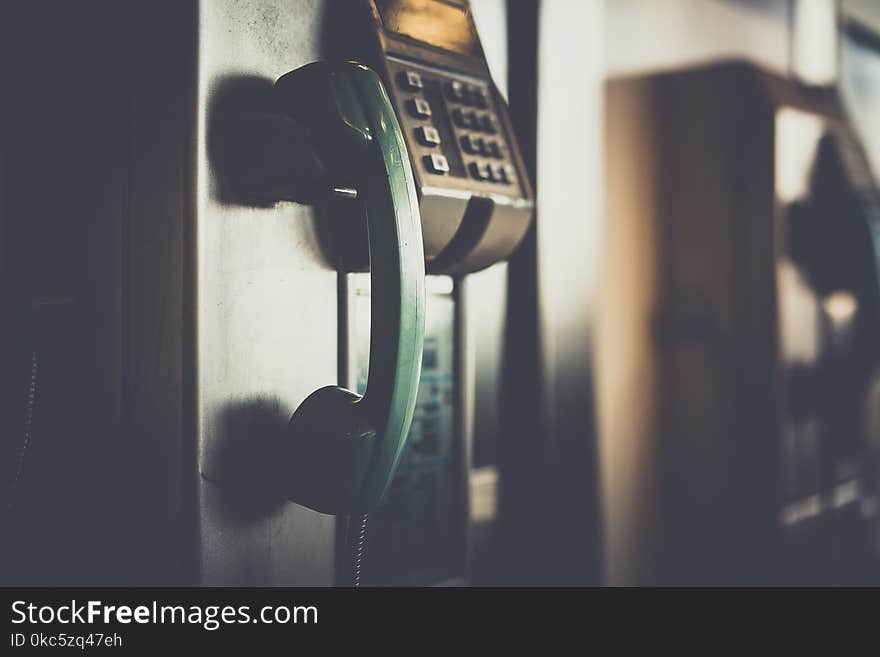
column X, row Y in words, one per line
column 245, row 461
column 260, row 155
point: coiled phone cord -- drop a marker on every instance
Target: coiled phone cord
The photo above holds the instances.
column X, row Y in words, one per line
column 28, row 424
column 360, row 547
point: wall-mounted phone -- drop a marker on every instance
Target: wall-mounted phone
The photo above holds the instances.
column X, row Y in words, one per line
column 743, row 280
column 474, row 193
column 342, row 449
column 228, row 313
column 439, row 131
column 476, row 205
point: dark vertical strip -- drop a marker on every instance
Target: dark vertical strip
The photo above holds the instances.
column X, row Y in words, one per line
column 128, row 446
column 162, row 367
column 190, row 566
column 344, row 523
column 520, row 523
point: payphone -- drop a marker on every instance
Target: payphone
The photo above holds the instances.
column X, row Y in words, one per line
column 474, row 192
column 742, row 259
column 475, row 204
column 208, row 317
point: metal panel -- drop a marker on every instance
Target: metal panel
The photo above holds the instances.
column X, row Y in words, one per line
column 416, row 537
column 480, row 333
column 267, row 314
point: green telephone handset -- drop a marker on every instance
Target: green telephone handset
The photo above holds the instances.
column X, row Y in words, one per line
column 341, row 449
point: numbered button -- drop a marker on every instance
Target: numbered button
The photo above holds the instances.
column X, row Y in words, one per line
column 500, row 173
column 437, row 163
column 428, row 135
column 481, row 171
column 455, row 92
column 493, row 149
column 465, row 119
column 411, row 81
column 473, row 145
column 478, row 96
column 487, row 123
column 419, row 108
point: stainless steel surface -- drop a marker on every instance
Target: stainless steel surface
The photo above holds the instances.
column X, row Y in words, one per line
column 266, row 312
column 482, row 343
column 480, row 332
column 435, row 210
column 505, row 230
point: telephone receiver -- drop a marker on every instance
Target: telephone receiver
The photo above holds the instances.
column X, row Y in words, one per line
column 340, row 450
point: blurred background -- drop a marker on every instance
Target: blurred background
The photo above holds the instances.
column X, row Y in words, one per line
column 671, row 380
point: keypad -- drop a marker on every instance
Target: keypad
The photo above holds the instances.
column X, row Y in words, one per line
column 477, row 121
column 471, row 144
column 475, row 145
column 467, row 94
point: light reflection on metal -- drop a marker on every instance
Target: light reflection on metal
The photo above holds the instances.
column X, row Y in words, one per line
column 345, row 192
column 814, row 56
column 841, row 306
column 798, row 137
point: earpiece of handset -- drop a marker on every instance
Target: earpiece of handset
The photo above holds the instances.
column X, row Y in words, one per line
column 327, row 450
column 341, row 450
